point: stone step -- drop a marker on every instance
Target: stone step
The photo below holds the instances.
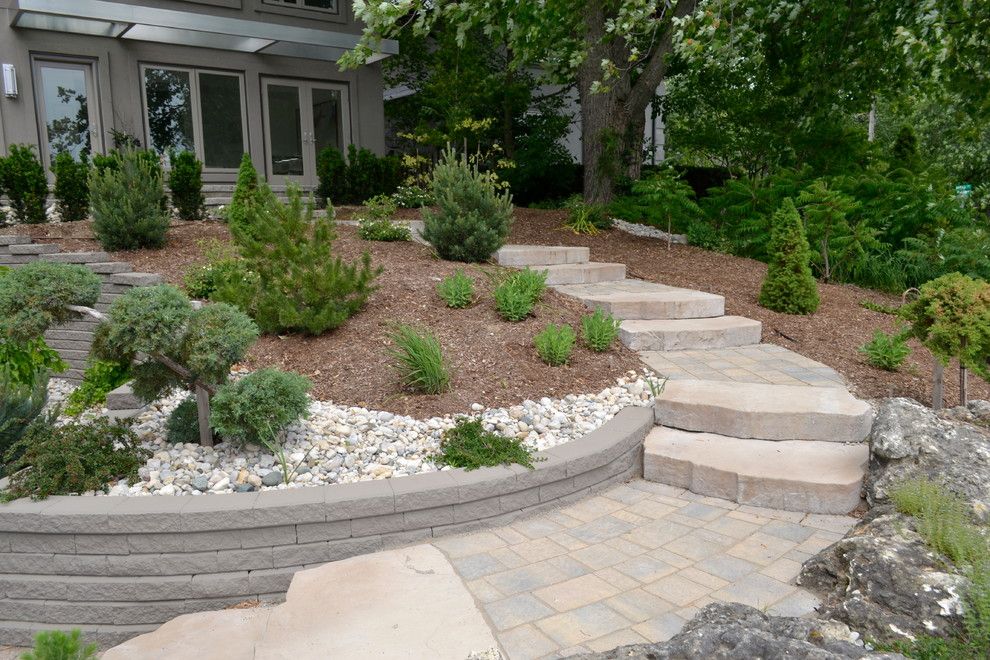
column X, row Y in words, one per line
column 123, row 398
column 35, row 248
column 136, row 279
column 636, row 299
column 518, row 256
column 583, row 273
column 688, row 334
column 813, row 477
column 77, row 257
column 110, row 267
column 764, row 412
column 14, row 240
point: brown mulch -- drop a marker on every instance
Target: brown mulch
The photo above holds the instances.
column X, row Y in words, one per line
column 491, row 361
column 832, row 335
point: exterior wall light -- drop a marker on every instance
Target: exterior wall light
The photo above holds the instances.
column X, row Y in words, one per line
column 9, row 81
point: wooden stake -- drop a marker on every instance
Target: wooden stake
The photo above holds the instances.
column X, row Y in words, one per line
column 963, row 385
column 203, row 408
column 938, row 391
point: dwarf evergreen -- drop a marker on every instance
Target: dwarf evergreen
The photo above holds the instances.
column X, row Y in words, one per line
column 249, row 193
column 789, row 286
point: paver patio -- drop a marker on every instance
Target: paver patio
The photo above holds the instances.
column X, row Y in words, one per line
column 632, row 565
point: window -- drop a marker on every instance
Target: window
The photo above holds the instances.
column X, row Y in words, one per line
column 196, row 110
column 67, row 107
column 319, row 5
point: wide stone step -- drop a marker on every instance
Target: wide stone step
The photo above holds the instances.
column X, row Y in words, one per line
column 688, row 334
column 814, row 477
column 123, row 398
column 583, row 273
column 636, row 299
column 764, row 412
column 35, row 248
column 541, row 255
column 77, row 257
column 14, row 240
column 110, row 267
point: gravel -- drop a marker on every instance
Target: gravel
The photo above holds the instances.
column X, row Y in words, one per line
column 342, row 444
column 647, row 231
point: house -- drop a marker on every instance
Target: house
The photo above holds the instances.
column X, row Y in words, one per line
column 216, row 77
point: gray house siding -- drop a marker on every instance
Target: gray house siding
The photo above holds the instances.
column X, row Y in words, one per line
column 117, row 75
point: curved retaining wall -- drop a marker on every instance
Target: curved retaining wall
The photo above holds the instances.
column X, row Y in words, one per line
column 117, row 567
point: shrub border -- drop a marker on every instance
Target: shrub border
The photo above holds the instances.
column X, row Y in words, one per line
column 118, row 567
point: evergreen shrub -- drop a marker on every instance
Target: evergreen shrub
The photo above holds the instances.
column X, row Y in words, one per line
column 258, row 407
column 128, row 204
column 789, row 286
column 185, row 180
column 25, row 183
column 71, row 187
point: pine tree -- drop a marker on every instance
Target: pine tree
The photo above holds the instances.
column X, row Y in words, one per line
column 789, row 286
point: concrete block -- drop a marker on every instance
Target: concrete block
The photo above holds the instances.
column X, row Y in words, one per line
column 586, row 273
column 301, row 554
column 477, row 510
column 11, row 239
column 244, row 559
column 323, row 531
column 428, row 518
column 541, row 255
column 110, row 267
column 484, row 482
column 556, row 489
column 357, row 500
column 33, row 248
column 690, row 334
column 425, row 490
column 135, row 279
column 77, row 257
column 373, row 525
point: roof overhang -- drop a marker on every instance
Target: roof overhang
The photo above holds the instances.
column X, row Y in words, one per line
column 127, row 21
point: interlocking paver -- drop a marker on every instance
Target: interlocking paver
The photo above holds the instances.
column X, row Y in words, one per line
column 645, row 560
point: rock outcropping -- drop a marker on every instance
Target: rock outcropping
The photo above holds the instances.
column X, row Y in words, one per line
column 723, row 631
column 910, row 441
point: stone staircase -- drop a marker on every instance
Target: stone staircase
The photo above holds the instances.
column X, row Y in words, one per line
column 740, row 420
column 72, row 340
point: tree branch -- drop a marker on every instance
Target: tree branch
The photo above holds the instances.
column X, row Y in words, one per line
column 656, row 67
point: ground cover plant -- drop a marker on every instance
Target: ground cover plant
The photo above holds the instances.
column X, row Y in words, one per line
column 128, row 203
column 376, row 221
column 457, row 290
column 473, row 216
column 418, row 358
column 554, row 344
column 518, row 292
column 586, row 218
column 886, row 351
column 599, row 330
column 468, row 445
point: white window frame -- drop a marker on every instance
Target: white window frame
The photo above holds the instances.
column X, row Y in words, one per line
column 88, row 66
column 301, row 4
column 197, row 115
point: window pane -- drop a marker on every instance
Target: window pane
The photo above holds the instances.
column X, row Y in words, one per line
column 169, row 110
column 66, row 110
column 223, row 134
column 326, row 118
column 321, row 4
column 285, row 130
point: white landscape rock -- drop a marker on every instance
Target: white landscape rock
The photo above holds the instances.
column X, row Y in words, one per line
column 346, row 444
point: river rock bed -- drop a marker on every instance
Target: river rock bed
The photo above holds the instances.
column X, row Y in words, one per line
column 346, row 444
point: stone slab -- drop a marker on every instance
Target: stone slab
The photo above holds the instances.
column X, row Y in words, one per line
column 404, row 603
column 689, row 334
column 584, row 273
column 518, row 256
column 807, row 476
column 77, row 257
column 14, row 240
column 34, row 248
column 764, row 412
column 636, row 299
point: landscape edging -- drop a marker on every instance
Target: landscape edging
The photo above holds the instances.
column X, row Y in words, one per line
column 116, row 567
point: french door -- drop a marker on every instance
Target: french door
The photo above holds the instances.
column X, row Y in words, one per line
column 68, row 108
column 301, row 119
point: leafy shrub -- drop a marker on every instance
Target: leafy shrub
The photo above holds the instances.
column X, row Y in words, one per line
column 701, row 234
column 599, row 330
column 886, row 352
column 473, row 219
column 71, row 458
column 361, row 175
column 951, row 317
column 379, row 207
column 251, row 197
column 223, row 268
column 20, row 404
column 300, row 285
column 384, row 230
column 34, row 297
column 128, row 204
column 258, row 407
column 457, row 290
column 22, row 362
column 663, row 200
column 185, row 180
column 99, row 379
column 554, row 344
column 516, row 295
column 56, row 645
column 468, row 445
column 586, row 218
column 789, row 286
column 418, row 358
column 71, row 187
column 182, row 426
column 25, row 183
column 412, row 197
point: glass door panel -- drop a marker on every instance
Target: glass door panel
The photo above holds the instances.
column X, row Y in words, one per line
column 168, row 97
column 285, row 130
column 222, row 117
column 70, row 120
column 327, row 125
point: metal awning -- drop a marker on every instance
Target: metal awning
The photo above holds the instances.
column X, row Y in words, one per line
column 127, row 21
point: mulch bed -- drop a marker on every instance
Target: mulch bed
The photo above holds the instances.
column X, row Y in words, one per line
column 832, row 335
column 492, row 362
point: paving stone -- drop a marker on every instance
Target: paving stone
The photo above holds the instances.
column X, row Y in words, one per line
column 469, row 544
column 583, row 624
column 699, row 544
column 576, row 592
column 733, row 527
column 788, row 530
column 526, row 578
column 625, row 494
column 477, row 566
column 598, row 556
column 799, row 603
column 619, row 638
column 704, row 579
column 507, row 557
column 601, row 529
column 538, row 549
column 761, row 549
column 538, row 527
column 651, row 509
column 656, row 534
column 645, row 568
column 639, row 605
column 483, row 590
column 756, row 590
column 661, row 628
column 701, row 511
column 677, row 590
column 526, row 643
column 727, row 567
column 516, row 610
column 592, row 508
column 617, row 579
